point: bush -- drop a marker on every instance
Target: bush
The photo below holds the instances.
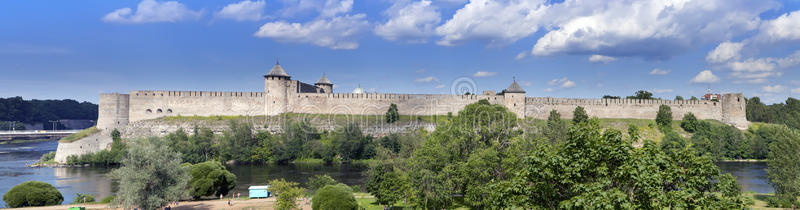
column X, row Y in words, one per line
column 108, row 199
column 80, row 198
column 338, row 196
column 664, row 117
column 210, row 178
column 391, row 114
column 46, row 157
column 689, row 122
column 32, row 193
column 320, row 181
column 286, row 192
column 579, row 115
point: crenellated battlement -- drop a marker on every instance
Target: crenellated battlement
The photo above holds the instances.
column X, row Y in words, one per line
column 167, row 93
column 602, row 101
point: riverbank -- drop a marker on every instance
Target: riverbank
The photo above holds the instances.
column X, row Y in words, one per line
column 254, row 204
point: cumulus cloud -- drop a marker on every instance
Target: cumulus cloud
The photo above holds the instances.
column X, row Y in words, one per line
column 780, row 29
column 725, row 51
column 484, row 74
column 521, row 55
column 658, row 71
column 705, row 76
column 336, row 7
column 601, row 59
column 151, row 11
column 427, row 79
column 662, row 90
column 773, row 88
column 243, row 11
column 410, row 22
column 335, row 33
column 495, row 22
column 562, row 83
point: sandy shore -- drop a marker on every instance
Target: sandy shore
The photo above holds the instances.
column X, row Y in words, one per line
column 255, row 204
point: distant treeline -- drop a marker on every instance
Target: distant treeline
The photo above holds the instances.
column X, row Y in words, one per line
column 781, row 113
column 33, row 111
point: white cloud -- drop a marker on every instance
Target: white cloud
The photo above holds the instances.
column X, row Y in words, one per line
column 427, row 79
column 410, row 22
column 649, row 28
column 495, row 22
column 705, row 76
column 335, row 7
column 440, row 86
column 521, row 55
column 724, row 52
column 151, row 11
column 780, row 29
column 484, row 74
column 562, row 83
column 658, row 71
column 796, row 91
column 243, row 11
column 773, row 88
column 335, row 33
column 662, row 90
column 601, row 59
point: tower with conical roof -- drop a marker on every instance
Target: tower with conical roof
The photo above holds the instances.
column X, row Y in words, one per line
column 514, row 99
column 324, row 84
column 276, row 88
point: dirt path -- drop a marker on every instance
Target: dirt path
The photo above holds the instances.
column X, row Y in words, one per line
column 255, row 204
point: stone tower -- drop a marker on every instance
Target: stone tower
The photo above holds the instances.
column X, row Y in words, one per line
column 276, row 88
column 514, row 98
column 733, row 110
column 324, row 84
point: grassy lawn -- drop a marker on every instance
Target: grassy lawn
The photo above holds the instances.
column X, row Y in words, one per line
column 372, row 204
column 79, row 135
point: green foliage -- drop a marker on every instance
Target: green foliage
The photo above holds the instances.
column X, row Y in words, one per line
column 664, row 117
column 210, row 178
column 787, row 113
column 15, row 125
column 464, row 154
column 32, row 111
column 679, row 98
column 641, row 94
column 334, row 197
column 110, row 157
column 610, row 97
column 579, row 115
column 79, row 135
column 351, row 144
column 108, row 199
column 151, row 175
column 83, row 198
column 693, row 98
column 672, row 143
column 599, row 169
column 391, row 114
column 293, row 143
column 32, row 193
column 784, row 167
column 287, row 193
column 689, row 122
column 389, row 186
column 720, row 141
column 47, row 157
column 319, row 181
column 236, row 141
column 556, row 130
column 195, row 148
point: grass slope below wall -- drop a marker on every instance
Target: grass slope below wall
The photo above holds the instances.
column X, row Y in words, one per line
column 79, row 135
column 339, row 119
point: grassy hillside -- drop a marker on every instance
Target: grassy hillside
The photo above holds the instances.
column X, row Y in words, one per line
column 79, row 135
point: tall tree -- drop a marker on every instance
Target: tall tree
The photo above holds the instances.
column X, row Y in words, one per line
column 151, row 175
column 689, row 122
column 783, row 166
column 664, row 117
column 556, row 130
column 579, row 115
column 210, row 178
column 392, row 115
column 287, row 193
column 641, row 94
column 679, row 98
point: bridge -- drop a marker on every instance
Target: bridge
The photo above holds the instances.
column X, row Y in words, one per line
column 35, row 134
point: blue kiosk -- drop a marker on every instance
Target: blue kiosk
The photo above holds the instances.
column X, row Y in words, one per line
column 259, row 191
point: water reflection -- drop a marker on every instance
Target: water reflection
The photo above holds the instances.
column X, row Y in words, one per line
column 752, row 176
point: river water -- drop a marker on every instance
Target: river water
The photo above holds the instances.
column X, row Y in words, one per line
column 14, row 157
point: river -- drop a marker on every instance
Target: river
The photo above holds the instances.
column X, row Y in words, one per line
column 13, row 157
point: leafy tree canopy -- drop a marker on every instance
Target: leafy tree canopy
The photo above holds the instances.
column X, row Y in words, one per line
column 32, row 193
column 338, row 196
column 151, row 175
column 210, row 178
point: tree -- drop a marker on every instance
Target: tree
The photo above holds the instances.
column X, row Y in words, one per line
column 693, row 98
column 672, row 143
column 287, row 193
column 391, row 114
column 556, row 130
column 338, row 196
column 210, row 178
column 783, row 166
column 610, row 97
column 319, row 181
column 32, row 193
column 387, row 185
column 599, row 169
column 351, row 143
column 689, row 122
column 151, row 175
column 236, row 141
column 579, row 115
column 83, row 198
column 664, row 117
column 679, row 98
column 641, row 94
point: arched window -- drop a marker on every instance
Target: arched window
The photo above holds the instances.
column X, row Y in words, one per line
column 148, row 111
column 159, row 111
column 169, row 110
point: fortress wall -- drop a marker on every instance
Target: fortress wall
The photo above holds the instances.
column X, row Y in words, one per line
column 538, row 107
column 377, row 104
column 112, row 110
column 155, row 104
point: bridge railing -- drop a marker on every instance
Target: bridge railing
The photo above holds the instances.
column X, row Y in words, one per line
column 25, row 132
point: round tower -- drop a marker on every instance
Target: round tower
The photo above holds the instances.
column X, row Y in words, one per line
column 514, row 99
column 276, row 85
column 734, row 110
column 324, row 84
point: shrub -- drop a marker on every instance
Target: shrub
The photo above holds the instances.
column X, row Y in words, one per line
column 689, row 122
column 287, row 193
column 320, row 181
column 210, row 178
column 664, row 117
column 32, row 193
column 391, row 114
column 338, row 196
column 46, row 157
column 80, row 198
column 108, row 199
column 579, row 115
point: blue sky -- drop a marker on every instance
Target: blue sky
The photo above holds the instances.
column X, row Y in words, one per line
column 571, row 48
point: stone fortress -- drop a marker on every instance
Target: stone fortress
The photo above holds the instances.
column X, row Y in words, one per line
column 283, row 95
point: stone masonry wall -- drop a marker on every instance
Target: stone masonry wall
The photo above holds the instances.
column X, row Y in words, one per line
column 154, row 104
